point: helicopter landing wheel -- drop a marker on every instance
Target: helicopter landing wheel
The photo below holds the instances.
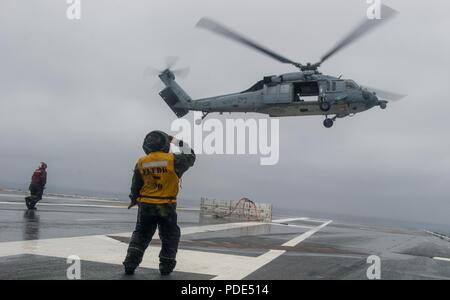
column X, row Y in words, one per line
column 325, row 106
column 328, row 123
column 383, row 105
column 199, row 121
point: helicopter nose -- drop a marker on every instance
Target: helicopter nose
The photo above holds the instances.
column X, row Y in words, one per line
column 375, row 97
column 383, row 104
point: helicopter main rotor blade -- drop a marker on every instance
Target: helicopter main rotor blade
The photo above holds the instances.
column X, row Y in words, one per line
column 385, row 95
column 361, row 30
column 217, row 28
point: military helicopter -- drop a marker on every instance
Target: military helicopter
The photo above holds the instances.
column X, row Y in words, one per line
column 288, row 94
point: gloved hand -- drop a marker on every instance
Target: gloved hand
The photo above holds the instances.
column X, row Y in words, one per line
column 132, row 203
column 175, row 141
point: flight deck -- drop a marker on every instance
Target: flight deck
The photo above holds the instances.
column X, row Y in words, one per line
column 39, row 244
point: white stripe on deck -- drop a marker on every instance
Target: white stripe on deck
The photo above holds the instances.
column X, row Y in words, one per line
column 106, row 250
column 239, row 273
column 442, row 259
column 291, row 225
column 62, row 198
column 203, row 228
column 297, row 240
column 124, row 206
column 298, row 219
column 101, row 248
column 219, row 227
column 66, row 204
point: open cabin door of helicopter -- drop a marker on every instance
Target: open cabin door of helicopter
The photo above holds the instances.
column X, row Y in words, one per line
column 307, row 91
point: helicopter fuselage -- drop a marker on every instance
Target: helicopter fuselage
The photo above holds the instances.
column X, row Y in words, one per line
column 305, row 93
column 294, row 94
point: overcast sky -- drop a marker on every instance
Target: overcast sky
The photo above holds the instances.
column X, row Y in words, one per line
column 72, row 93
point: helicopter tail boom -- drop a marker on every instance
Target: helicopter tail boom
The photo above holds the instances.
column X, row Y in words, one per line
column 175, row 97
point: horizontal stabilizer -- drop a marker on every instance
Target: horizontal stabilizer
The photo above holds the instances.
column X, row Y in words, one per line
column 172, row 100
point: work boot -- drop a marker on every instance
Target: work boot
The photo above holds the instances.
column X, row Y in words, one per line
column 132, row 260
column 129, row 269
column 30, row 204
column 27, row 202
column 166, row 266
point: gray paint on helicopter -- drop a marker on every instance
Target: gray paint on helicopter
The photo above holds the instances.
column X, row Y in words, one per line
column 282, row 96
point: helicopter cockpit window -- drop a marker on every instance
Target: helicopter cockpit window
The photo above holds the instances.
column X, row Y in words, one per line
column 351, row 85
column 256, row 87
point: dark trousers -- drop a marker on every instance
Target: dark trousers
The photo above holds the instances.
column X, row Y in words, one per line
column 36, row 191
column 150, row 217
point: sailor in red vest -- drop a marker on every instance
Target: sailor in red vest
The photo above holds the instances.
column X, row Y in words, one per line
column 37, row 186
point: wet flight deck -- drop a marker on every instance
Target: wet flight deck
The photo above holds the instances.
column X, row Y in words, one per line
column 36, row 244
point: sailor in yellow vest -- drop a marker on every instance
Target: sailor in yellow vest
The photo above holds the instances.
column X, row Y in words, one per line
column 154, row 189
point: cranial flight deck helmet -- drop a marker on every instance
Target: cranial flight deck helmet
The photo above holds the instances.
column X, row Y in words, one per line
column 156, row 141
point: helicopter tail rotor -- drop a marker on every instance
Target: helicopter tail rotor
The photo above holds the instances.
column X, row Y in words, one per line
column 173, row 94
column 170, row 62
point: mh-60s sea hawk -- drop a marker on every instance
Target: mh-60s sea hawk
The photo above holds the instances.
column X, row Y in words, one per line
column 285, row 95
